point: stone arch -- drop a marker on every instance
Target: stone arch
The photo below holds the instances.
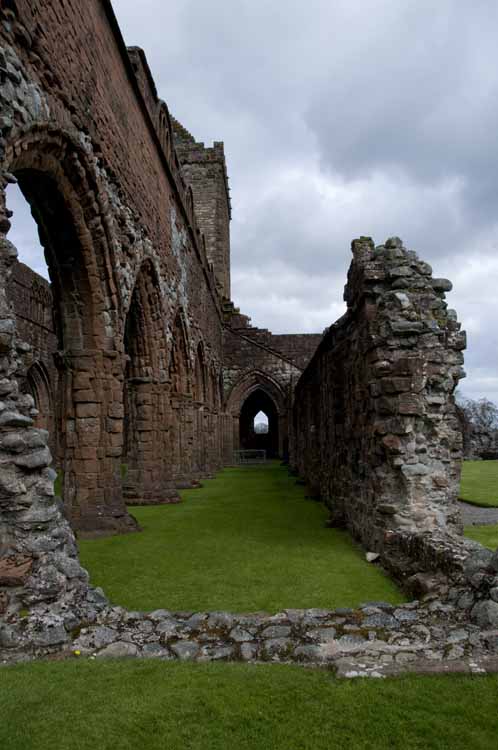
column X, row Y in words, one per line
column 257, row 391
column 251, row 381
column 60, row 182
column 183, row 421
column 179, row 363
column 144, row 345
column 200, row 375
column 38, row 384
column 164, row 128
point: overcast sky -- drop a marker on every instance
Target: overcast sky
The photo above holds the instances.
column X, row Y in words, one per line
column 340, row 118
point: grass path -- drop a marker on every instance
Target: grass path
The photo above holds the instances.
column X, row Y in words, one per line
column 247, row 541
column 479, row 484
column 152, row 705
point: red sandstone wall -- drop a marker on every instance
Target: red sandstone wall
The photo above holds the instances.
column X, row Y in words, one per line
column 71, row 78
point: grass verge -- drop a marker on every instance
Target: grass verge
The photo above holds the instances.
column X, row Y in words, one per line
column 479, row 485
column 487, row 535
column 155, row 705
column 249, row 540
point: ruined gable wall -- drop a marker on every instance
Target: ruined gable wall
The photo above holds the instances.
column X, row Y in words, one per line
column 375, row 427
column 243, row 354
column 298, row 347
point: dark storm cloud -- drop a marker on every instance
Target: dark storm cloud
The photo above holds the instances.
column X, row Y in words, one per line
column 342, row 118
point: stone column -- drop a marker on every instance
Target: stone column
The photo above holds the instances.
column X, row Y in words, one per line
column 44, row 592
column 147, row 478
column 93, row 438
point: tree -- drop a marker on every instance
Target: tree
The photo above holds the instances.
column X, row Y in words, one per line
column 479, row 421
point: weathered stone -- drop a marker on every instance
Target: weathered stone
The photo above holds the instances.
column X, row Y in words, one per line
column 168, row 628
column 118, row 650
column 239, row 635
column 381, row 620
column 277, row 646
column 248, row 651
column 185, row 650
column 34, row 460
column 276, row 631
column 442, row 285
column 54, row 635
column 15, row 570
column 485, row 614
column 155, row 651
column 323, row 634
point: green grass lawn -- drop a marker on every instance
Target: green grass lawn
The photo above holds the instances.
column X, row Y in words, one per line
column 486, row 535
column 247, row 541
column 153, row 705
column 479, row 484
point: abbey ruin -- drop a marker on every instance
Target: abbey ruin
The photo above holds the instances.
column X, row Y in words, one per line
column 135, row 355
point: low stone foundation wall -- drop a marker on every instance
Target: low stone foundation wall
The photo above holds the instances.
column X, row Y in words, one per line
column 376, row 639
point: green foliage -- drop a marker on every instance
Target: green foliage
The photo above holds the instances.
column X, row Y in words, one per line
column 152, row 705
column 479, row 484
column 247, row 541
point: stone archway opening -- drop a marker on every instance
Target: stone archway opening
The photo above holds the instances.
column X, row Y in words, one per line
column 144, row 392
column 59, row 237
column 259, row 402
column 63, row 200
column 37, row 384
column 54, row 316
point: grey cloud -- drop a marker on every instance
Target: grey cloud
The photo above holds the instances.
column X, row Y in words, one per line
column 339, row 119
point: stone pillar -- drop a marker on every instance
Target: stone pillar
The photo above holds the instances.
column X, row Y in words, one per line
column 147, row 478
column 93, row 438
column 44, row 592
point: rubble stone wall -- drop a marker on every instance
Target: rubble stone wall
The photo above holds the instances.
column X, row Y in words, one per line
column 375, row 430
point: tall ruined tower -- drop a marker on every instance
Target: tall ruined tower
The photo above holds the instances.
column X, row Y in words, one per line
column 204, row 169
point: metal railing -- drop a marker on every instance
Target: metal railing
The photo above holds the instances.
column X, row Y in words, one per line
column 250, row 456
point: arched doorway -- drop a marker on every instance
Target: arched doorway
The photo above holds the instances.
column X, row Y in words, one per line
column 144, row 391
column 250, row 438
column 256, row 391
column 58, row 181
column 199, row 391
column 182, row 425
column 37, row 383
